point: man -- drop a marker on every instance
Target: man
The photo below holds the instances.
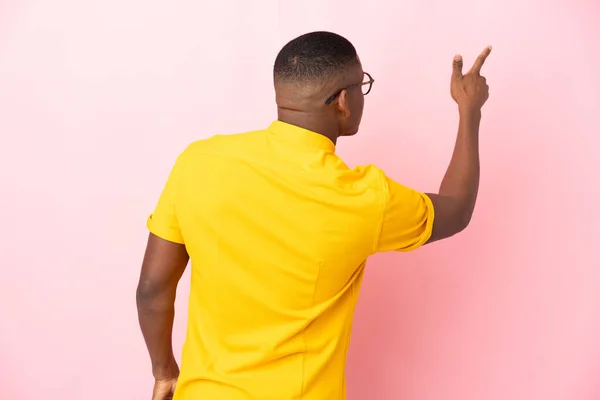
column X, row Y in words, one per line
column 278, row 229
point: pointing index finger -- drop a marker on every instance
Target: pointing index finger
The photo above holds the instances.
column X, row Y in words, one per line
column 481, row 60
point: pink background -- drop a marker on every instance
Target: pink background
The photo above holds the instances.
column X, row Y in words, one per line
column 98, row 97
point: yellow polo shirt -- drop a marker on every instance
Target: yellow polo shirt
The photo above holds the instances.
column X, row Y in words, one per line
column 278, row 229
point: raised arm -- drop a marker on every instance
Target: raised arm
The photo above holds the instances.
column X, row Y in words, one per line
column 455, row 201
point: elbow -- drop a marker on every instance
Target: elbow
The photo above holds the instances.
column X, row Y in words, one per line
column 463, row 221
column 151, row 300
column 144, row 297
column 144, row 292
column 149, row 292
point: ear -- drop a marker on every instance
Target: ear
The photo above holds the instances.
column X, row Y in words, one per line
column 342, row 104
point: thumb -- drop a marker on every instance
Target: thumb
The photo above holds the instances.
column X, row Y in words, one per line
column 457, row 66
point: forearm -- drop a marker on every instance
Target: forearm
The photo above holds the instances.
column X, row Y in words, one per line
column 156, row 313
column 461, row 181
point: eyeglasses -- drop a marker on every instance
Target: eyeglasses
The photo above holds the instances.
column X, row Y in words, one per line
column 366, row 86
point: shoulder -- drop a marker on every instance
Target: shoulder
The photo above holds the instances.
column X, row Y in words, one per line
column 368, row 176
column 220, row 143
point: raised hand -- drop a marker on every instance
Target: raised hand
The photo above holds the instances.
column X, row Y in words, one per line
column 470, row 91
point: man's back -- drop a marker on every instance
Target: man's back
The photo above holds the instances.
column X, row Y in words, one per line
column 278, row 229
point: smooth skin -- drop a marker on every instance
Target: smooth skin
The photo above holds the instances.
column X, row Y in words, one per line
column 163, row 266
column 164, row 261
column 455, row 201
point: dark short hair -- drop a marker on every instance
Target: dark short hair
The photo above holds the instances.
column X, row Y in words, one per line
column 313, row 57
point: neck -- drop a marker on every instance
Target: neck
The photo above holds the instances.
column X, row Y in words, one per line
column 311, row 122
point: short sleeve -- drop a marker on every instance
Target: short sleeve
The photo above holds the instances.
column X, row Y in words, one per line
column 407, row 220
column 163, row 222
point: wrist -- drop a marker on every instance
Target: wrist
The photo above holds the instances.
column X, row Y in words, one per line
column 469, row 111
column 168, row 370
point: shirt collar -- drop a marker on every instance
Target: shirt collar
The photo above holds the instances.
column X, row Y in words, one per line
column 302, row 136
